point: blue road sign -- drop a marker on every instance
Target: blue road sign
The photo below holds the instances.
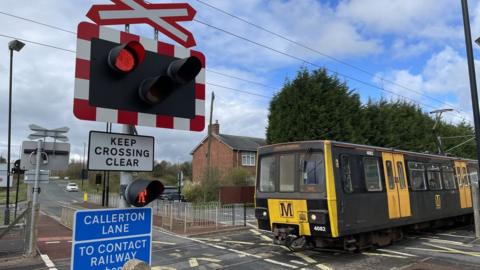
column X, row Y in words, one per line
column 106, row 239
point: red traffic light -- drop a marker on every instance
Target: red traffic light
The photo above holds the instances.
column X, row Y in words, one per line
column 179, row 72
column 142, row 192
column 126, row 57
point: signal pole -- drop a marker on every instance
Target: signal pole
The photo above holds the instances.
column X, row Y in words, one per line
column 476, row 114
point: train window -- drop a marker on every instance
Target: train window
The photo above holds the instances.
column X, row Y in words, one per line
column 401, row 174
column 459, row 179
column 391, row 181
column 448, row 177
column 267, row 174
column 433, row 177
column 473, row 174
column 287, row 173
column 312, row 173
column 346, row 174
column 373, row 179
column 417, row 175
column 465, row 179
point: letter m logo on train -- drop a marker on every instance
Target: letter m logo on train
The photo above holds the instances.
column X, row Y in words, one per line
column 286, row 209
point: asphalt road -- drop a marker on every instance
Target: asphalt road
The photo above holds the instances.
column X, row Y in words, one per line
column 53, row 195
column 253, row 249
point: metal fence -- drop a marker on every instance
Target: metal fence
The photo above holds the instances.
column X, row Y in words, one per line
column 13, row 237
column 183, row 217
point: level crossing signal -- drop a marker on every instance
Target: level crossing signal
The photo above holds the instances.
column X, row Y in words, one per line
column 127, row 79
column 141, row 192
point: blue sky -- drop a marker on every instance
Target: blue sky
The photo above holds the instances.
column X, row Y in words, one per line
column 417, row 45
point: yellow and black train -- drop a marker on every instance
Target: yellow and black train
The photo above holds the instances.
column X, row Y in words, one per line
column 343, row 195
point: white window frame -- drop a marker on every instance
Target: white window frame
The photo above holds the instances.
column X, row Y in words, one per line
column 248, row 159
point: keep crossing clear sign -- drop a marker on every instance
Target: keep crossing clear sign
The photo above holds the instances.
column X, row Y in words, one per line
column 106, row 239
column 120, row 152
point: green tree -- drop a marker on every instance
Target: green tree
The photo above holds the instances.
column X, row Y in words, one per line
column 314, row 106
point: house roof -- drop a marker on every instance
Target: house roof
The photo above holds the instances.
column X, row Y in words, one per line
column 242, row 142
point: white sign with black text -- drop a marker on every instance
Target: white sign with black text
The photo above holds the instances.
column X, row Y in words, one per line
column 120, row 152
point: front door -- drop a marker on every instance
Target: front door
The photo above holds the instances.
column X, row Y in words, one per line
column 463, row 184
column 396, row 185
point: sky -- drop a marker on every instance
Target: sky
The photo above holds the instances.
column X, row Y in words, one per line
column 396, row 49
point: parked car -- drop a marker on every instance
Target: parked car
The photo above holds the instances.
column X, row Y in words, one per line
column 171, row 194
column 71, row 187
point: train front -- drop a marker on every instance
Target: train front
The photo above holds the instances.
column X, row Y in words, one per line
column 293, row 180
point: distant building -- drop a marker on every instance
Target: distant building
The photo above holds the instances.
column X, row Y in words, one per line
column 227, row 152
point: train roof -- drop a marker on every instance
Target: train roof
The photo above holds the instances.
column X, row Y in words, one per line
column 375, row 148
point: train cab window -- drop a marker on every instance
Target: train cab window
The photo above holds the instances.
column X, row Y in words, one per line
column 417, row 175
column 448, row 176
column 287, row 173
column 459, row 179
column 473, row 174
column 391, row 181
column 267, row 174
column 465, row 178
column 312, row 173
column 433, row 177
column 346, row 174
column 401, row 174
column 373, row 179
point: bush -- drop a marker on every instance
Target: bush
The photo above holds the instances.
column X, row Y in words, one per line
column 192, row 191
column 206, row 190
column 238, row 177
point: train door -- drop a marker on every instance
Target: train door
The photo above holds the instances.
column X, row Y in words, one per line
column 396, row 185
column 463, row 184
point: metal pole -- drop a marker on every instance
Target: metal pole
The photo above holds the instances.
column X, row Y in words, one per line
column 83, row 165
column 209, row 144
column 474, row 95
column 7, row 203
column 16, row 192
column 31, row 249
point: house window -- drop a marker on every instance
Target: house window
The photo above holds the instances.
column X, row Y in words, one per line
column 248, row 159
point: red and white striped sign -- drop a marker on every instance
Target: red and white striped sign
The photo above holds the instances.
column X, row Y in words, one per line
column 162, row 16
column 81, row 105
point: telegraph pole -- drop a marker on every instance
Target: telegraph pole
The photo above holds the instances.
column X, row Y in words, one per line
column 476, row 114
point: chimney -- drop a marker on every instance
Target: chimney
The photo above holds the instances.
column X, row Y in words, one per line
column 215, row 128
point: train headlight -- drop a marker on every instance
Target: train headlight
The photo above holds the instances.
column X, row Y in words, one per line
column 264, row 213
column 313, row 217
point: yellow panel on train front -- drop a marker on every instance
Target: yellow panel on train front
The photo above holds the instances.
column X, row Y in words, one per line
column 285, row 211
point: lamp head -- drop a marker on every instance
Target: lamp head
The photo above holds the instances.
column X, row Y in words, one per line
column 16, row 45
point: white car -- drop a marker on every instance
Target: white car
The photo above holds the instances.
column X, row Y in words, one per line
column 71, row 187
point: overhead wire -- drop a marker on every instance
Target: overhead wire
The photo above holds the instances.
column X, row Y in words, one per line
column 235, row 77
column 281, row 36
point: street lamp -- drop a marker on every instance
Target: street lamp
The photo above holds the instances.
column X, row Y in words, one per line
column 14, row 45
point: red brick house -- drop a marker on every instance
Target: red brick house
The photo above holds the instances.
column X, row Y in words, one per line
column 227, row 152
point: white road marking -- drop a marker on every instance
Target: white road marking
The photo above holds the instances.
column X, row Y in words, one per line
column 298, row 262
column 454, row 235
column 209, row 260
column 163, row 243
column 193, row 262
column 448, row 242
column 48, row 262
column 209, row 239
column 239, row 242
column 52, row 242
column 384, row 255
column 304, row 257
column 280, row 263
column 475, row 254
column 178, row 255
column 162, row 268
column 255, row 232
column 396, row 252
column 323, row 267
column 266, row 238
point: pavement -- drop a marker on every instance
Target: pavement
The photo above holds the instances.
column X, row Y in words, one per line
column 253, row 249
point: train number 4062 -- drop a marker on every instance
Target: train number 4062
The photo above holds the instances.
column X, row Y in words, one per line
column 320, row 228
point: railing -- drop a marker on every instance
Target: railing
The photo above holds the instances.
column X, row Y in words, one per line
column 186, row 217
column 67, row 215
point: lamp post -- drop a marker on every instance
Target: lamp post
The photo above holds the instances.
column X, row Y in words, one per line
column 14, row 45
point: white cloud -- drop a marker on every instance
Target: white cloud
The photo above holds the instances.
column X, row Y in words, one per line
column 444, row 75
